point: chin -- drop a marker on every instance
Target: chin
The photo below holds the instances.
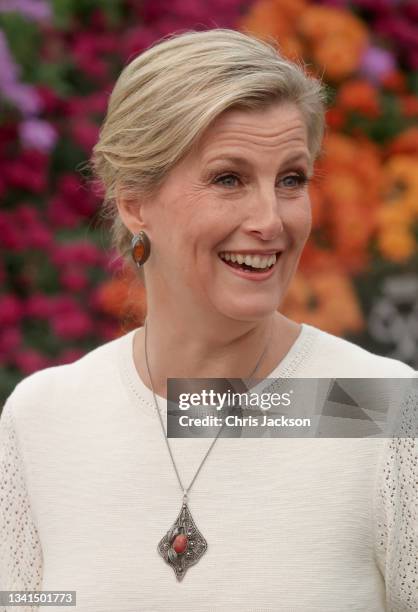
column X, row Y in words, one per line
column 255, row 311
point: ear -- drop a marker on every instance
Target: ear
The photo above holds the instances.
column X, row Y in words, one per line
column 130, row 208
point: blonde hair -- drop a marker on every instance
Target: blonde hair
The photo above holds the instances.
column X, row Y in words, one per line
column 166, row 98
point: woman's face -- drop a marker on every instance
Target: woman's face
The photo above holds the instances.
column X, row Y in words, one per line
column 240, row 195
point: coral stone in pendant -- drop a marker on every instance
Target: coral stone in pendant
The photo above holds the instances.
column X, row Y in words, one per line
column 183, row 545
column 180, row 543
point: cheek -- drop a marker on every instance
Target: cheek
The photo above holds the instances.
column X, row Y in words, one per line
column 300, row 221
column 304, row 218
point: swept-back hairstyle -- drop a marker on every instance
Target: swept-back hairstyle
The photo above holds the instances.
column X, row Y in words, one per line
column 167, row 96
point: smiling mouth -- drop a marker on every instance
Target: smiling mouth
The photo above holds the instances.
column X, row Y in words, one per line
column 250, row 263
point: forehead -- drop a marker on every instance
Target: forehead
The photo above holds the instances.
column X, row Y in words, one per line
column 277, row 126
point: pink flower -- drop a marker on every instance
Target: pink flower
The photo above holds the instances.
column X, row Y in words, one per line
column 78, row 252
column 37, row 235
column 26, row 214
column 29, row 360
column 60, row 213
column 11, row 309
column 107, row 330
column 11, row 237
column 8, row 135
column 2, row 186
column 40, row 237
column 69, row 355
column 137, row 39
column 72, row 325
column 85, row 134
column 76, row 195
column 73, row 280
column 50, row 101
column 63, row 304
column 38, row 306
column 82, row 106
column 28, row 172
column 10, row 339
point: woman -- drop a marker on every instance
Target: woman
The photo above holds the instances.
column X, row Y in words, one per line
column 205, row 154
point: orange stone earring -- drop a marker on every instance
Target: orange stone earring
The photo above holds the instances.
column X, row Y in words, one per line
column 140, row 248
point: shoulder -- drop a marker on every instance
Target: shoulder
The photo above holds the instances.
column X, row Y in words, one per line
column 95, row 371
column 341, row 358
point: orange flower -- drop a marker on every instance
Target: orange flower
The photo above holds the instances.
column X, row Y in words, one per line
column 409, row 105
column 319, row 22
column 336, row 37
column 359, row 95
column 350, row 173
column 397, row 244
column 338, row 56
column 277, row 19
column 325, row 299
column 112, row 295
column 400, row 181
column 394, row 215
column 291, row 47
column 315, row 258
column 395, row 81
column 335, row 118
column 266, row 19
column 405, row 142
column 342, row 187
column 339, row 150
column 123, row 297
column 357, row 156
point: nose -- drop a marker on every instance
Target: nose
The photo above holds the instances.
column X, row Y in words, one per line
column 264, row 218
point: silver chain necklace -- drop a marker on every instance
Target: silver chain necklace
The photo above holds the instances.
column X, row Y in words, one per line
column 183, row 545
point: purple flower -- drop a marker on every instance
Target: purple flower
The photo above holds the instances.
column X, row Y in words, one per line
column 38, row 10
column 9, row 71
column 37, row 134
column 376, row 63
column 24, row 97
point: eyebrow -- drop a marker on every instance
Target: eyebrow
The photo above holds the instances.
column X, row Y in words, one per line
column 244, row 162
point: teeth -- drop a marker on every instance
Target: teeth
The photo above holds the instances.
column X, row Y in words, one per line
column 255, row 261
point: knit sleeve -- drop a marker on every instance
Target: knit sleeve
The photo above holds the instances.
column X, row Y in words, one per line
column 396, row 511
column 20, row 549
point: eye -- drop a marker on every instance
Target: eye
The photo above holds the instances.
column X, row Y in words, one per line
column 300, row 179
column 228, row 180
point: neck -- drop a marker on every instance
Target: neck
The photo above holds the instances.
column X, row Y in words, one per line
column 177, row 349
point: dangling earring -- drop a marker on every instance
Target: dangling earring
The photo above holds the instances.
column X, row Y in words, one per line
column 140, row 248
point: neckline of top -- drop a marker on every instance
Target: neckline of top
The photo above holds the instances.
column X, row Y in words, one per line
column 140, row 394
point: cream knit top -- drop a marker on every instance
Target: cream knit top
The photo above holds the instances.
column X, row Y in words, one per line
column 87, row 491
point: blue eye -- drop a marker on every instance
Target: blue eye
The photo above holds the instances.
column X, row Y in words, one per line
column 230, row 180
column 301, row 179
column 222, row 180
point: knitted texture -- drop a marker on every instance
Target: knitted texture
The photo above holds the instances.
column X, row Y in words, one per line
column 20, row 549
column 397, row 511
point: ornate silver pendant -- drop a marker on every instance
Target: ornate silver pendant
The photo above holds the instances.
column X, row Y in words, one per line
column 183, row 545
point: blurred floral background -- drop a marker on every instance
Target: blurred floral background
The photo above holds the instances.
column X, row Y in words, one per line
column 63, row 289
